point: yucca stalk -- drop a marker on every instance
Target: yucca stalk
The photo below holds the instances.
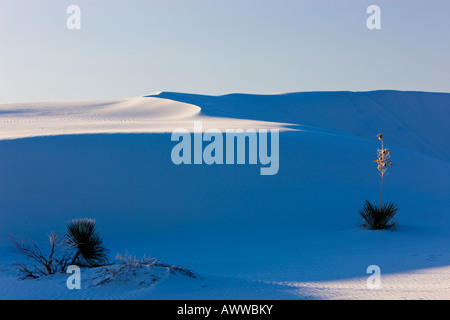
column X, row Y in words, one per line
column 84, row 238
column 383, row 162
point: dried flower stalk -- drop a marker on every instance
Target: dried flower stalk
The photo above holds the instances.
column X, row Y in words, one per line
column 383, row 162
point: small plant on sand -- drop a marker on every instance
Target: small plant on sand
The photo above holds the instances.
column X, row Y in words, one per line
column 127, row 262
column 380, row 217
column 377, row 218
column 81, row 245
column 83, row 237
column 36, row 263
column 140, row 271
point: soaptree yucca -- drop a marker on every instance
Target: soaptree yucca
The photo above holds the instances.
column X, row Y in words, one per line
column 84, row 238
column 377, row 218
column 380, row 217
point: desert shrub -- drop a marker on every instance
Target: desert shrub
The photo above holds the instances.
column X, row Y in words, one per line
column 128, row 262
column 143, row 272
column 378, row 217
column 83, row 237
column 37, row 263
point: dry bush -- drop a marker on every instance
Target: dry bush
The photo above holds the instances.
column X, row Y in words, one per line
column 128, row 262
column 37, row 263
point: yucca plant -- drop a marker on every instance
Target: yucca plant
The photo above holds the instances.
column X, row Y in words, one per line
column 83, row 237
column 380, row 217
column 377, row 218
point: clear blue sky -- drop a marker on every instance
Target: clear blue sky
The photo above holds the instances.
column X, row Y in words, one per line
column 135, row 47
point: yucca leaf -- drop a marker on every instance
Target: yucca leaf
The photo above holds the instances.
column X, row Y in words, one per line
column 83, row 237
column 376, row 218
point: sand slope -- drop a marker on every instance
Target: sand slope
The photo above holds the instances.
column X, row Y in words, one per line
column 135, row 115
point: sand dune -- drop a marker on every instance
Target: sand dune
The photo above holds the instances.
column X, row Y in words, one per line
column 135, row 115
column 413, row 120
column 293, row 235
